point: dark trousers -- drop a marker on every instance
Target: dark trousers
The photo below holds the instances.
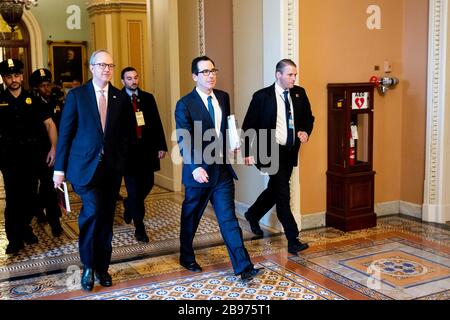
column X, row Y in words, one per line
column 47, row 198
column 97, row 217
column 278, row 193
column 222, row 200
column 139, row 183
column 20, row 183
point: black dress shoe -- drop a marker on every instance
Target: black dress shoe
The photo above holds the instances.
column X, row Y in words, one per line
column 297, row 246
column 141, row 236
column 249, row 274
column 30, row 238
column 14, row 247
column 254, row 225
column 191, row 266
column 87, row 279
column 104, row 278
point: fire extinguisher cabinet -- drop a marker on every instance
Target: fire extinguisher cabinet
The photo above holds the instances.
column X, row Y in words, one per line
column 350, row 175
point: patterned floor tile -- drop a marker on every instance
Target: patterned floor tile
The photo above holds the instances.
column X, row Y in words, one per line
column 274, row 283
column 400, row 258
column 162, row 221
column 390, row 268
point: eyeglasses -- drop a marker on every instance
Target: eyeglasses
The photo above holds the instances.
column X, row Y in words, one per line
column 104, row 65
column 207, row 72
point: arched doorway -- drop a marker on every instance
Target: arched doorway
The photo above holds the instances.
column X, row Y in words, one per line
column 16, row 45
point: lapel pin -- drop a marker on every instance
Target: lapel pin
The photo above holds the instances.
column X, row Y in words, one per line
column 297, row 95
column 114, row 97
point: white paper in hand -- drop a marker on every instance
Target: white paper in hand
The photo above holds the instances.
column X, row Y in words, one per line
column 63, row 197
column 233, row 136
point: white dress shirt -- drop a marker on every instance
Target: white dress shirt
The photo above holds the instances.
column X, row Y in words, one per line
column 217, row 110
column 281, row 128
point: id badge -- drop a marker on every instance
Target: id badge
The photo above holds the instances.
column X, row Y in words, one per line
column 291, row 123
column 140, row 118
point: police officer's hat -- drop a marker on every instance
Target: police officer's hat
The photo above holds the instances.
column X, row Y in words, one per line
column 39, row 76
column 10, row 66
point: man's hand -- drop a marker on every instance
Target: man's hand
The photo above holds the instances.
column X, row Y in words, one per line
column 249, row 161
column 58, row 180
column 200, row 175
column 51, row 157
column 303, row 136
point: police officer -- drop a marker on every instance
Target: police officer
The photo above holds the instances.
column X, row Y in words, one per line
column 21, row 120
column 41, row 83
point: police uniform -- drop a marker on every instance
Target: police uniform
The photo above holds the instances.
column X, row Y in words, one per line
column 20, row 123
column 54, row 103
column 47, row 198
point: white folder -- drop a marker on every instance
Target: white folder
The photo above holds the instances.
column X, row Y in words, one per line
column 233, row 136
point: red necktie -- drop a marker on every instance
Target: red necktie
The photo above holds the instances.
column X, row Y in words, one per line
column 135, row 107
column 102, row 108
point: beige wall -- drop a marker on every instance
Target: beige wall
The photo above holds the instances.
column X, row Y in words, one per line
column 415, row 44
column 219, row 41
column 336, row 46
column 189, row 41
column 248, row 48
column 166, row 68
column 129, row 48
column 138, row 34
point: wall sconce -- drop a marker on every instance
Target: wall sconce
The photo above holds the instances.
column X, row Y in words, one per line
column 384, row 83
column 12, row 10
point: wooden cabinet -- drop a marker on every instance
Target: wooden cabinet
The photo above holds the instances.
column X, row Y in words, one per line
column 350, row 175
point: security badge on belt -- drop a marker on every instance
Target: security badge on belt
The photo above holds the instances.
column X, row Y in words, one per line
column 140, row 118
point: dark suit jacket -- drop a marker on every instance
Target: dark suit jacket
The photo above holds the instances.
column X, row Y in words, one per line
column 262, row 114
column 153, row 139
column 81, row 138
column 192, row 119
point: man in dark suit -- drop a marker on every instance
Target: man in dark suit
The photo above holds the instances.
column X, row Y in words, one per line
column 201, row 121
column 281, row 119
column 147, row 149
column 94, row 133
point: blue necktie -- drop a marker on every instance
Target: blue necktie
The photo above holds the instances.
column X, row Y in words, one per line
column 290, row 131
column 211, row 110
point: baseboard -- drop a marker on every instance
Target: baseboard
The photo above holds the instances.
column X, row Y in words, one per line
column 241, row 208
column 313, row 220
column 317, row 220
column 396, row 207
column 411, row 209
column 163, row 181
column 309, row 221
column 387, row 208
column 269, row 221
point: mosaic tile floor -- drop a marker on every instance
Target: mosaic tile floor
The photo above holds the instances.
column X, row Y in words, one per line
column 162, row 224
column 399, row 259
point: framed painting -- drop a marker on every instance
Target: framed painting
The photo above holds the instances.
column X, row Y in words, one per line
column 67, row 62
